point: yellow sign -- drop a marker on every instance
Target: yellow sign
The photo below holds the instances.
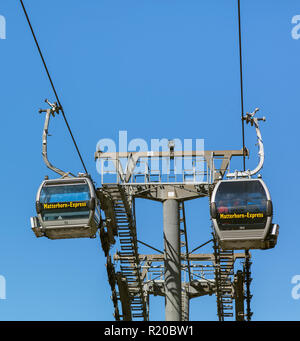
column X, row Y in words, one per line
column 241, row 215
column 59, row 205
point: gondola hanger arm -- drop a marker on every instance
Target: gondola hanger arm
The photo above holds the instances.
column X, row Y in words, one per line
column 250, row 118
column 54, row 109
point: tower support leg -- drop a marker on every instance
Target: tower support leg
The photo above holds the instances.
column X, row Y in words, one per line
column 172, row 260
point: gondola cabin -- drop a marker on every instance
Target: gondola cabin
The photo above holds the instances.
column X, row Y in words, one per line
column 66, row 208
column 241, row 211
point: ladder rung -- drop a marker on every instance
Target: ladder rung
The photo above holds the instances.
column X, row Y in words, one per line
column 227, row 314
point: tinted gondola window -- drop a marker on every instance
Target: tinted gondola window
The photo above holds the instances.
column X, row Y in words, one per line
column 64, row 193
column 241, row 204
column 65, row 202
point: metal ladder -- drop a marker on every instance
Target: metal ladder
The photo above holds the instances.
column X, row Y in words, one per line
column 226, row 261
column 224, row 270
column 128, row 255
column 185, row 251
column 248, row 280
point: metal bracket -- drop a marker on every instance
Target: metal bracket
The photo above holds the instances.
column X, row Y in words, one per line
column 54, row 109
column 249, row 118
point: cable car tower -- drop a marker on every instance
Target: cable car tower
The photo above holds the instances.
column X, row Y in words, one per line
column 181, row 274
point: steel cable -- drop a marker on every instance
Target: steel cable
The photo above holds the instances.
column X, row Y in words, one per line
column 52, row 85
column 241, row 83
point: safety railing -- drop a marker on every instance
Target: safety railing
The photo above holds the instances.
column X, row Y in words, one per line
column 183, row 170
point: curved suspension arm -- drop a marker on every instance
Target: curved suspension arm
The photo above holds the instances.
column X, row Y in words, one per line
column 50, row 112
column 249, row 118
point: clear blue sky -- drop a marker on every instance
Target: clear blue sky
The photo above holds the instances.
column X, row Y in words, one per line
column 158, row 69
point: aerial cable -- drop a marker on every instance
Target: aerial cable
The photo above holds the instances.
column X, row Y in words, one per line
column 241, row 84
column 248, row 296
column 53, row 87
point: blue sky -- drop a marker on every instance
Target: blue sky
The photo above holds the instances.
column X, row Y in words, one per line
column 158, row 69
